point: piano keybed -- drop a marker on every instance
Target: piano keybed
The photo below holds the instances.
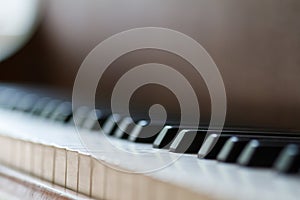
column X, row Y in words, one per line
column 38, row 137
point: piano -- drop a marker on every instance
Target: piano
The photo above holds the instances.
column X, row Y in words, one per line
column 136, row 133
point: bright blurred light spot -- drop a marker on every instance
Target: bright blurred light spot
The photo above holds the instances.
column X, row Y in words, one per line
column 17, row 20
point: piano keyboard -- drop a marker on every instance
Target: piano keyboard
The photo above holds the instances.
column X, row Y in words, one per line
column 38, row 137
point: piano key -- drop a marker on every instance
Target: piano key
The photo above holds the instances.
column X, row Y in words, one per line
column 188, row 141
column 260, row 153
column 26, row 155
column 72, row 169
column 124, row 129
column 130, row 186
column 232, row 149
column 112, row 189
column 204, row 131
column 212, row 146
column 289, row 160
column 259, row 133
column 95, row 120
column 27, row 103
column 8, row 144
column 143, row 132
column 40, row 105
column 5, row 95
column 14, row 100
column 88, row 185
column 120, row 184
column 37, row 162
column 17, row 153
column 98, row 179
column 80, row 115
column 167, row 135
column 60, row 166
column 110, row 125
column 63, row 112
column 48, row 163
column 214, row 143
column 49, row 108
column 84, row 174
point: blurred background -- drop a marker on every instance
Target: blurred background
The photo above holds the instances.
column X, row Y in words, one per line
column 255, row 44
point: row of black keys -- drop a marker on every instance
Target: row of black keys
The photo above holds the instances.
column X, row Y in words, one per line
column 248, row 148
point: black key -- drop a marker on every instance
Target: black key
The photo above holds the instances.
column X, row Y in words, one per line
column 5, row 97
column 95, row 120
column 14, row 99
column 260, row 153
column 101, row 118
column 125, row 128
column 80, row 115
column 212, row 146
column 63, row 112
column 110, row 125
column 256, row 133
column 167, row 136
column 50, row 108
column 27, row 103
column 39, row 106
column 214, row 143
column 188, row 141
column 143, row 132
column 289, row 160
column 232, row 149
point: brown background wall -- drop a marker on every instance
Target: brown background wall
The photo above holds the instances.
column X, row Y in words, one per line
column 255, row 44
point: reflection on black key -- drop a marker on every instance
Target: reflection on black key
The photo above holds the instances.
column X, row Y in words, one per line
column 214, row 143
column 144, row 132
column 80, row 115
column 188, row 141
column 5, row 97
column 167, row 135
column 14, row 100
column 212, row 146
column 94, row 120
column 289, row 160
column 256, row 133
column 125, row 127
column 110, row 125
column 101, row 117
column 232, row 149
column 39, row 106
column 63, row 112
column 49, row 108
column 27, row 103
column 260, row 153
